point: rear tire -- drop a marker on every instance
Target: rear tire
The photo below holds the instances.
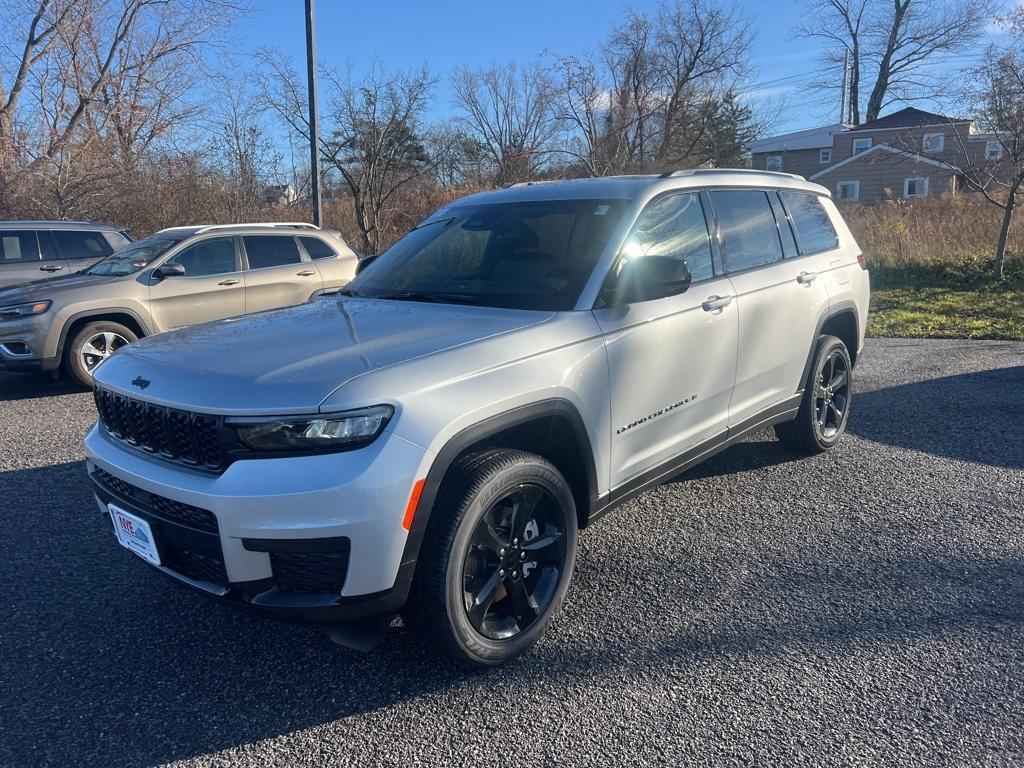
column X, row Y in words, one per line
column 825, row 407
column 92, row 345
column 497, row 557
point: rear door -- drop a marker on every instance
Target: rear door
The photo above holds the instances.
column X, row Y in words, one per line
column 19, row 257
column 278, row 274
column 212, row 287
column 336, row 267
column 671, row 361
column 80, row 248
column 779, row 299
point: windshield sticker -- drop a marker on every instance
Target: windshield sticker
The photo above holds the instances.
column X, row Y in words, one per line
column 601, row 210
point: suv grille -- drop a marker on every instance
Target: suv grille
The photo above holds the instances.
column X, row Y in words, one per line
column 169, row 509
column 194, row 565
column 191, row 439
column 310, row 572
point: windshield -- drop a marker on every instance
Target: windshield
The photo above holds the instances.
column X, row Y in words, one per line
column 524, row 255
column 133, row 258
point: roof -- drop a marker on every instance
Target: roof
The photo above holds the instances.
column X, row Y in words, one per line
column 810, row 138
column 56, row 224
column 883, row 148
column 632, row 187
column 909, row 117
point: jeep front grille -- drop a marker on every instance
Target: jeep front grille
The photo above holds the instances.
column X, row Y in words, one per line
column 192, row 439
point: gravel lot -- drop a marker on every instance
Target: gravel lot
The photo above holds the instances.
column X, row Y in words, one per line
column 863, row 607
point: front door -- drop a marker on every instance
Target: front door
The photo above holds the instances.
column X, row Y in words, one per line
column 211, row 288
column 671, row 361
column 779, row 300
column 278, row 275
column 79, row 249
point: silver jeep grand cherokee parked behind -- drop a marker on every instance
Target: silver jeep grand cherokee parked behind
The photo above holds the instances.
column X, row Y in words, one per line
column 513, row 368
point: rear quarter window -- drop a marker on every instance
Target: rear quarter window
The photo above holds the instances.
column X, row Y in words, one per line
column 814, row 230
column 317, row 248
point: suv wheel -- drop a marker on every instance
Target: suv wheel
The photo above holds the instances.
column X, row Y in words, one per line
column 92, row 345
column 825, row 407
column 497, row 556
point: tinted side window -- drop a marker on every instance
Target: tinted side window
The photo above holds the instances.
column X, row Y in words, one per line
column 317, row 248
column 814, row 230
column 18, row 246
column 271, row 251
column 785, row 229
column 81, row 245
column 748, row 228
column 209, row 257
column 674, row 226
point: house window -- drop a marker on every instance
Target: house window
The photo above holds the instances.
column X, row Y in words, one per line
column 861, row 145
column 848, row 191
column 993, row 150
column 915, row 187
column 825, row 155
column 933, row 143
column 773, row 163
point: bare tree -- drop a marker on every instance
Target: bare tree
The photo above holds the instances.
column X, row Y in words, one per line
column 373, row 137
column 508, row 110
column 892, row 43
column 994, row 93
column 662, row 92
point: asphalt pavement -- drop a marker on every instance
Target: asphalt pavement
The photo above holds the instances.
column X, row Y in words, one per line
column 864, row 607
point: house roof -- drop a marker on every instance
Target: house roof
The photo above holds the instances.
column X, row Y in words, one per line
column 811, row 138
column 883, row 148
column 909, row 117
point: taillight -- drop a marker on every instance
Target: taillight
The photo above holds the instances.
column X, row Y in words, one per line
column 862, row 261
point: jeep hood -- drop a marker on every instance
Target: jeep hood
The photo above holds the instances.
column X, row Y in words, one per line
column 289, row 360
column 51, row 287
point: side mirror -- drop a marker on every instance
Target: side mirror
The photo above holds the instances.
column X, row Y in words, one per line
column 645, row 278
column 365, row 261
column 169, row 270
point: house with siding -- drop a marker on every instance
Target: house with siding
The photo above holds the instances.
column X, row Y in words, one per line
column 907, row 154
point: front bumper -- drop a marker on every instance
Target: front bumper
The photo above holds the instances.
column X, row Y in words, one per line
column 313, row 538
column 23, row 343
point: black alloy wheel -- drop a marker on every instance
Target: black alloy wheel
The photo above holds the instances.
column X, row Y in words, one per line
column 514, row 563
column 832, row 394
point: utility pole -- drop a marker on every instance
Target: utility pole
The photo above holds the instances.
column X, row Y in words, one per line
column 846, row 86
column 314, row 120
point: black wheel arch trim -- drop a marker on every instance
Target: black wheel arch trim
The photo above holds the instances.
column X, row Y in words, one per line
column 98, row 314
column 843, row 307
column 478, row 434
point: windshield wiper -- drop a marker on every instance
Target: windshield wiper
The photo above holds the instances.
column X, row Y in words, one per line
column 437, row 298
column 349, row 292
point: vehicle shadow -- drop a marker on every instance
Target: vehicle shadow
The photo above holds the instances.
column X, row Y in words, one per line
column 131, row 668
column 969, row 417
column 28, row 386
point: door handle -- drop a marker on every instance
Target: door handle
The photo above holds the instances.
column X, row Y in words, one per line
column 305, row 273
column 712, row 303
column 51, row 268
column 229, row 281
column 806, row 278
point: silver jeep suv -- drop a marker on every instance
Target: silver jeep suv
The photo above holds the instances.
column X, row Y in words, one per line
column 516, row 366
column 171, row 279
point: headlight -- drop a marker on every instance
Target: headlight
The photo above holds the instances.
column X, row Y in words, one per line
column 350, row 429
column 24, row 310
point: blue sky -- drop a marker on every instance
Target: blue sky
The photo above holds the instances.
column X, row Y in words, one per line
column 446, row 34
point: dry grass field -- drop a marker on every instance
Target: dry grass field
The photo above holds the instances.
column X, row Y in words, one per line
column 931, row 269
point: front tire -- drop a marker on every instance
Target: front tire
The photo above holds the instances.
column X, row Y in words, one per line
column 497, row 556
column 93, row 344
column 825, row 407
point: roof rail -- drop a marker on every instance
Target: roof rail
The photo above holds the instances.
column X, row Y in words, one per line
column 738, row 171
column 38, row 222
column 258, row 225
